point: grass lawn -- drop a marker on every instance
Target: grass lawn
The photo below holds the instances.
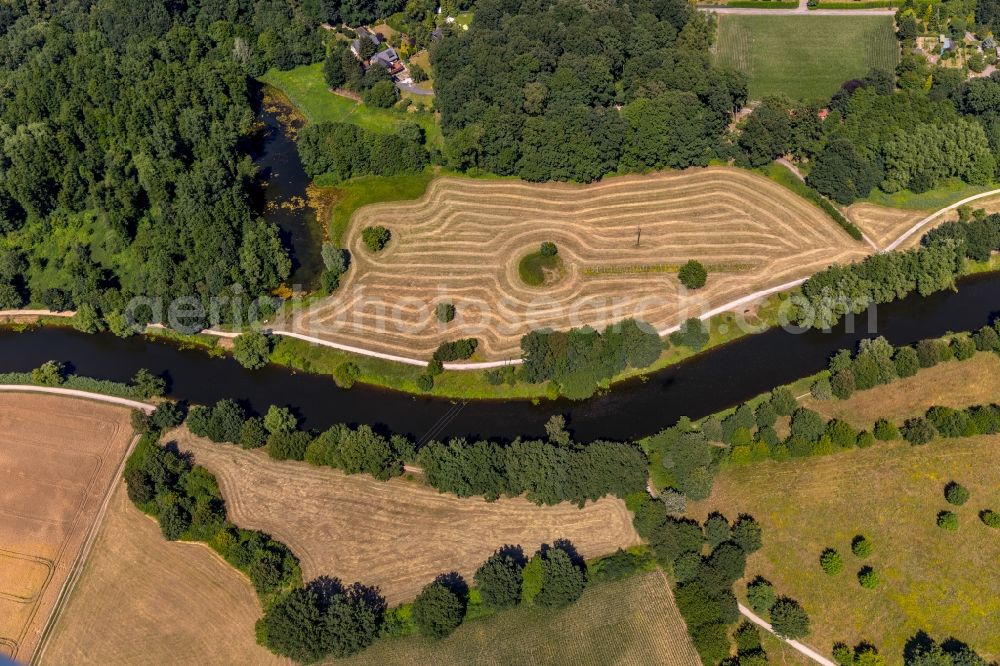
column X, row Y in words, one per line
column 933, row 580
column 357, row 192
column 627, row 622
column 805, row 57
column 946, row 194
column 305, row 87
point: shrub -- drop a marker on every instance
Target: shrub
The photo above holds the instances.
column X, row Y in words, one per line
column 692, row 334
column 747, row 533
column 167, row 415
column 346, row 374
column 862, row 546
column 253, row 434
column 885, row 430
column 956, row 493
column 288, row 445
column 252, row 349
column 425, row 383
column 990, row 518
column 841, row 434
column 147, row 385
column 918, row 431
column 50, row 373
column 947, row 520
column 783, row 400
column 986, row 339
column 868, row 578
column 548, row 249
column 437, row 610
column 692, row 275
column 831, row 561
column 376, row 238
column 963, row 348
column 382, row 95
column 928, row 353
column 865, row 439
column 807, row 424
column 760, row 595
column 906, row 361
column 445, row 312
column 842, row 384
column 456, row 350
column 789, row 619
column 747, row 637
column 279, row 420
column 821, row 389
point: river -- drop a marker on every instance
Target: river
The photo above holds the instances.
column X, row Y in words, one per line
column 704, row 384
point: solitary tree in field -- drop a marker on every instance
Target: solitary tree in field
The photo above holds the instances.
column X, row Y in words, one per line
column 376, row 238
column 956, row 493
column 692, row 275
column 831, row 561
column 548, row 249
column 445, row 312
column 862, row 546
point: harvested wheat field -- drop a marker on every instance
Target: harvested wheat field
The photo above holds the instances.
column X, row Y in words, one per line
column 883, row 224
column 462, row 243
column 144, row 600
column 396, row 534
column 58, row 457
column 633, row 622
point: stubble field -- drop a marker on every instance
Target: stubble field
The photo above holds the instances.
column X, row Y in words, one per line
column 57, row 460
column 398, row 534
column 463, row 240
column 144, row 600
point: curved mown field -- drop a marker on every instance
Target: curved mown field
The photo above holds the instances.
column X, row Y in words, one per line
column 463, row 240
column 396, row 534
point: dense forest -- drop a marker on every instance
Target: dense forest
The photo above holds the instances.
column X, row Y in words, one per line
column 120, row 130
column 534, row 88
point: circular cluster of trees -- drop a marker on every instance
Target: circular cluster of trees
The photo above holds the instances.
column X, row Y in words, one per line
column 376, row 238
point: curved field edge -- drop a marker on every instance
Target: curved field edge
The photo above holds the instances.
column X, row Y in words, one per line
column 142, row 599
column 462, row 241
column 397, row 534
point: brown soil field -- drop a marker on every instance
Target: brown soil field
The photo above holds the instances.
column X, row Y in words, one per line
column 957, row 384
column 463, row 240
column 931, row 579
column 58, row 457
column 396, row 534
column 633, row 622
column 144, row 600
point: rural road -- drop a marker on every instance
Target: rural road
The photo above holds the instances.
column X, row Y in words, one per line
column 516, row 361
column 804, row 649
column 73, row 393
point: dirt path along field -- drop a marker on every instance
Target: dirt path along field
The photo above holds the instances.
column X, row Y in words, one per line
column 462, row 242
column 144, row 600
column 396, row 534
column 57, row 459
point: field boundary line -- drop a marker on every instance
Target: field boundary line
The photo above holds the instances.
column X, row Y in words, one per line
column 801, row 647
column 81, row 559
column 76, row 393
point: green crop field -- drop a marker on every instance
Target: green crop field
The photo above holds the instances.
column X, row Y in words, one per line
column 805, row 57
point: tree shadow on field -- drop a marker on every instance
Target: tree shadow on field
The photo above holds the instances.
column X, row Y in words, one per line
column 515, row 553
column 919, row 642
column 455, row 584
